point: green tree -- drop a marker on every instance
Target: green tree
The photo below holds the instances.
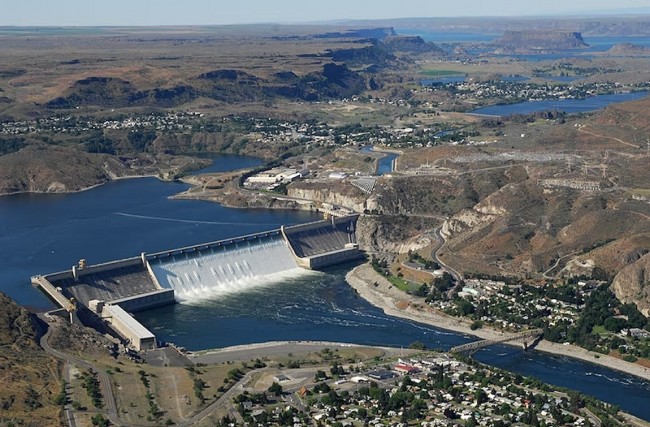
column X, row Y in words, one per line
column 275, row 388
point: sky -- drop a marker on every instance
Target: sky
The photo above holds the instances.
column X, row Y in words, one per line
column 218, row 12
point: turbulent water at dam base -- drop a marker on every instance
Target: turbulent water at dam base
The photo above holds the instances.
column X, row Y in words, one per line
column 43, row 233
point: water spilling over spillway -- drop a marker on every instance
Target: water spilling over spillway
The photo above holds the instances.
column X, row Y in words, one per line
column 230, row 268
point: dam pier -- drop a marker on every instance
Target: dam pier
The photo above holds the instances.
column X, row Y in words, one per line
column 114, row 289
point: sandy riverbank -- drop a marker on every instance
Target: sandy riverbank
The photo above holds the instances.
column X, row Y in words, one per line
column 378, row 291
column 280, row 348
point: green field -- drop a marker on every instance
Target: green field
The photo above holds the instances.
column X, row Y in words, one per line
column 441, row 73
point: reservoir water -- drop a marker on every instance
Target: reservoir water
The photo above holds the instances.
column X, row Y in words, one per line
column 46, row 233
column 567, row 105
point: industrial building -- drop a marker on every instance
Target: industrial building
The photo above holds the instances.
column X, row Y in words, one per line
column 137, row 335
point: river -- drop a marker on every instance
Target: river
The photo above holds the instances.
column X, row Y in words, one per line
column 585, row 105
column 43, row 233
column 385, row 164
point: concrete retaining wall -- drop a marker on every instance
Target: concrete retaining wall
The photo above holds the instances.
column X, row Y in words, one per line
column 99, row 268
column 333, row 258
column 319, row 224
column 146, row 301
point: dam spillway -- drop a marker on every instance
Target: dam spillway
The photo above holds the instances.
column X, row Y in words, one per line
column 203, row 271
column 218, row 270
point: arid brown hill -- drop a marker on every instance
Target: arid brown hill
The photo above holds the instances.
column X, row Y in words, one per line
column 224, row 85
column 30, row 378
column 628, row 49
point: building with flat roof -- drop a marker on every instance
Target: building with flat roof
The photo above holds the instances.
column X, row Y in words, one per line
column 139, row 337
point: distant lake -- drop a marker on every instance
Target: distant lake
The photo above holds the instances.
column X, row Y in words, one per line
column 602, row 44
column 596, row 44
column 567, row 105
column 442, row 80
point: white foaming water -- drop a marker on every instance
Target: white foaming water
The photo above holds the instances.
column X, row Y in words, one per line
column 206, row 274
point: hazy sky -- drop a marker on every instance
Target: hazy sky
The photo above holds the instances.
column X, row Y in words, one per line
column 205, row 12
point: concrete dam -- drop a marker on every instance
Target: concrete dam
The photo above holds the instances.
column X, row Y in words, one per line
column 112, row 290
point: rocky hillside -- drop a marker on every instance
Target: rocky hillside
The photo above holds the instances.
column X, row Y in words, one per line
column 628, row 49
column 341, row 194
column 30, row 378
column 411, row 44
column 391, row 234
column 541, row 40
column 632, row 284
column 224, row 85
column 524, row 229
column 42, row 168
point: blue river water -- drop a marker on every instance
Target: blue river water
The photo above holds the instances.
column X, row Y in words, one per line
column 385, row 164
column 567, row 105
column 42, row 233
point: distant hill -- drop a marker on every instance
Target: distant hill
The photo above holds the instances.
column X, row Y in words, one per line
column 227, row 85
column 370, row 33
column 117, row 93
column 541, row 40
column 411, row 44
column 628, row 49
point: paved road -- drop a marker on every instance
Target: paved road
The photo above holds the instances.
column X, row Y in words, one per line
column 434, row 254
column 104, row 380
column 224, row 400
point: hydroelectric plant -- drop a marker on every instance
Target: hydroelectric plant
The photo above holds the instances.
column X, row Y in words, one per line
column 112, row 290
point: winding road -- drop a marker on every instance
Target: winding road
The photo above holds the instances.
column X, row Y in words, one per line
column 434, row 254
column 104, row 380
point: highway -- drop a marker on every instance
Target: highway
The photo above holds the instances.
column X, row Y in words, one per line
column 435, row 255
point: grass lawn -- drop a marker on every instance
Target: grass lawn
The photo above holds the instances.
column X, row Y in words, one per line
column 440, row 73
column 600, row 330
column 403, row 285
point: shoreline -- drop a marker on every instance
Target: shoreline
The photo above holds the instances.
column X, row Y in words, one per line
column 399, row 304
column 90, row 187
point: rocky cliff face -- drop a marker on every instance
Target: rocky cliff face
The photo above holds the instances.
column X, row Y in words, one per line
column 340, row 195
column 632, row 284
column 541, row 40
column 394, row 234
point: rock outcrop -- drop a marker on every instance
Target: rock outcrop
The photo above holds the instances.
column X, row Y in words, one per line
column 632, row 284
column 343, row 195
column 628, row 49
column 394, row 234
column 541, row 40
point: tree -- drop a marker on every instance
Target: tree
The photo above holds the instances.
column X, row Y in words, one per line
column 100, row 421
column 275, row 388
column 481, row 397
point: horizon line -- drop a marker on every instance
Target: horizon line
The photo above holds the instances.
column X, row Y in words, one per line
column 567, row 15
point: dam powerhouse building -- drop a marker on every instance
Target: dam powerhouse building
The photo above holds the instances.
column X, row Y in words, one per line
column 113, row 290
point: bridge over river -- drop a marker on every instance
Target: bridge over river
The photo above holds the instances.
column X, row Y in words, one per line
column 526, row 337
